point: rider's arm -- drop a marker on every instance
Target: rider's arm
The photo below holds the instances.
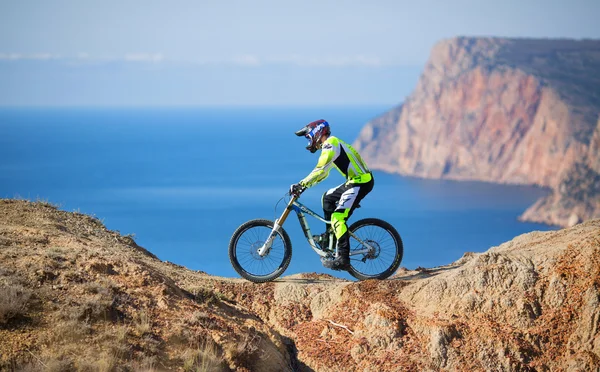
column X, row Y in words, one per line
column 323, row 167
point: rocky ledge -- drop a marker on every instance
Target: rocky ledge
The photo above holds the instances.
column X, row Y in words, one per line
column 75, row 296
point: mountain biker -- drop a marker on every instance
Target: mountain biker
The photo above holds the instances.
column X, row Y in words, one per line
column 338, row 202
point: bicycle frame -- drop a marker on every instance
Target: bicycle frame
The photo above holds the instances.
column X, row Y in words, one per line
column 300, row 209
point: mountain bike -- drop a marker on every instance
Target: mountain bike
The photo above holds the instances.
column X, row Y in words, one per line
column 260, row 250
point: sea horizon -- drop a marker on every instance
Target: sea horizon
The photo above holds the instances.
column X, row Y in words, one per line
column 182, row 181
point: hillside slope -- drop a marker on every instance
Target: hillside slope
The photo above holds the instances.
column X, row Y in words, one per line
column 76, row 296
column 518, row 111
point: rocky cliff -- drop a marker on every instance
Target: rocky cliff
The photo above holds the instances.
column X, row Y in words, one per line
column 518, row 111
column 75, row 296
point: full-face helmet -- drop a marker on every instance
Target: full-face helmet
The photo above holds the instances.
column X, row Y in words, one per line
column 313, row 132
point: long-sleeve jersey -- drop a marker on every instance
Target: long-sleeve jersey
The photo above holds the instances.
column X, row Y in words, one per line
column 348, row 162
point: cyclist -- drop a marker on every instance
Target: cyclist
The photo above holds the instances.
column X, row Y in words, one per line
column 338, row 202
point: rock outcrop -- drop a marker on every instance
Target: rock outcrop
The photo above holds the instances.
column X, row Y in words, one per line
column 517, row 111
column 76, row 296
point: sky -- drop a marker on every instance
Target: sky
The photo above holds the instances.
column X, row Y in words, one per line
column 173, row 53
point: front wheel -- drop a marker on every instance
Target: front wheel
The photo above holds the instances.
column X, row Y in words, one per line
column 375, row 249
column 244, row 247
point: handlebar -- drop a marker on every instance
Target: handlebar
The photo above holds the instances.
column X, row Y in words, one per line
column 296, row 193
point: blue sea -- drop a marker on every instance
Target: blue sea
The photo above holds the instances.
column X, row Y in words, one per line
column 183, row 179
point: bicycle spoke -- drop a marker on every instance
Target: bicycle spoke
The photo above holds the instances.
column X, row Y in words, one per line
column 381, row 241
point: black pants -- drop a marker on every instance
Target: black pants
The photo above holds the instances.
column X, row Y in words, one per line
column 338, row 205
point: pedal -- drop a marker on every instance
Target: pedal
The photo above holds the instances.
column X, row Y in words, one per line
column 329, row 263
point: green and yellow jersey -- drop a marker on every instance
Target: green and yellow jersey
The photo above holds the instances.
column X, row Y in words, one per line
column 348, row 162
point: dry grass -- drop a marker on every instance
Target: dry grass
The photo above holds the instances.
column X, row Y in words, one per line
column 146, row 364
column 143, row 323
column 248, row 344
column 121, row 333
column 208, row 296
column 48, row 365
column 204, row 358
column 14, row 301
column 57, row 253
column 73, row 298
column 71, row 330
column 107, row 362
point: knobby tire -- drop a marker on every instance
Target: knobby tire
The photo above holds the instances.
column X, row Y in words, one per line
column 393, row 241
column 256, row 229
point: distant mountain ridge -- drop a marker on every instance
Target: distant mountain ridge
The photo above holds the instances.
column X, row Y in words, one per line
column 516, row 111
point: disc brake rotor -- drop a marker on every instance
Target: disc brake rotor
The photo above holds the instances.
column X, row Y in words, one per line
column 254, row 250
column 374, row 250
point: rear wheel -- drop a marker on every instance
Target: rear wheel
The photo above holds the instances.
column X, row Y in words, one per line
column 380, row 255
column 244, row 246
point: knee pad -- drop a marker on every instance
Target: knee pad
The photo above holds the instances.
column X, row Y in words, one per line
column 338, row 222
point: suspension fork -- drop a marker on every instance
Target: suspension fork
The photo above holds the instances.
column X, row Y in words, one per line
column 264, row 250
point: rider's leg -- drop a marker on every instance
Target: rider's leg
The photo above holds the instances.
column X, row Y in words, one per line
column 338, row 220
column 349, row 199
column 329, row 202
column 345, row 206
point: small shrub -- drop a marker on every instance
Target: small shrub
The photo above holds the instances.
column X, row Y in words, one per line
column 99, row 304
column 203, row 295
column 203, row 319
column 103, row 287
column 59, row 365
column 204, row 358
column 207, row 296
column 107, row 362
column 121, row 333
column 246, row 350
column 45, row 202
column 14, row 301
column 249, row 344
column 120, row 351
column 52, row 364
column 71, row 330
column 146, row 364
column 143, row 323
column 97, row 308
column 56, row 253
column 150, row 344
